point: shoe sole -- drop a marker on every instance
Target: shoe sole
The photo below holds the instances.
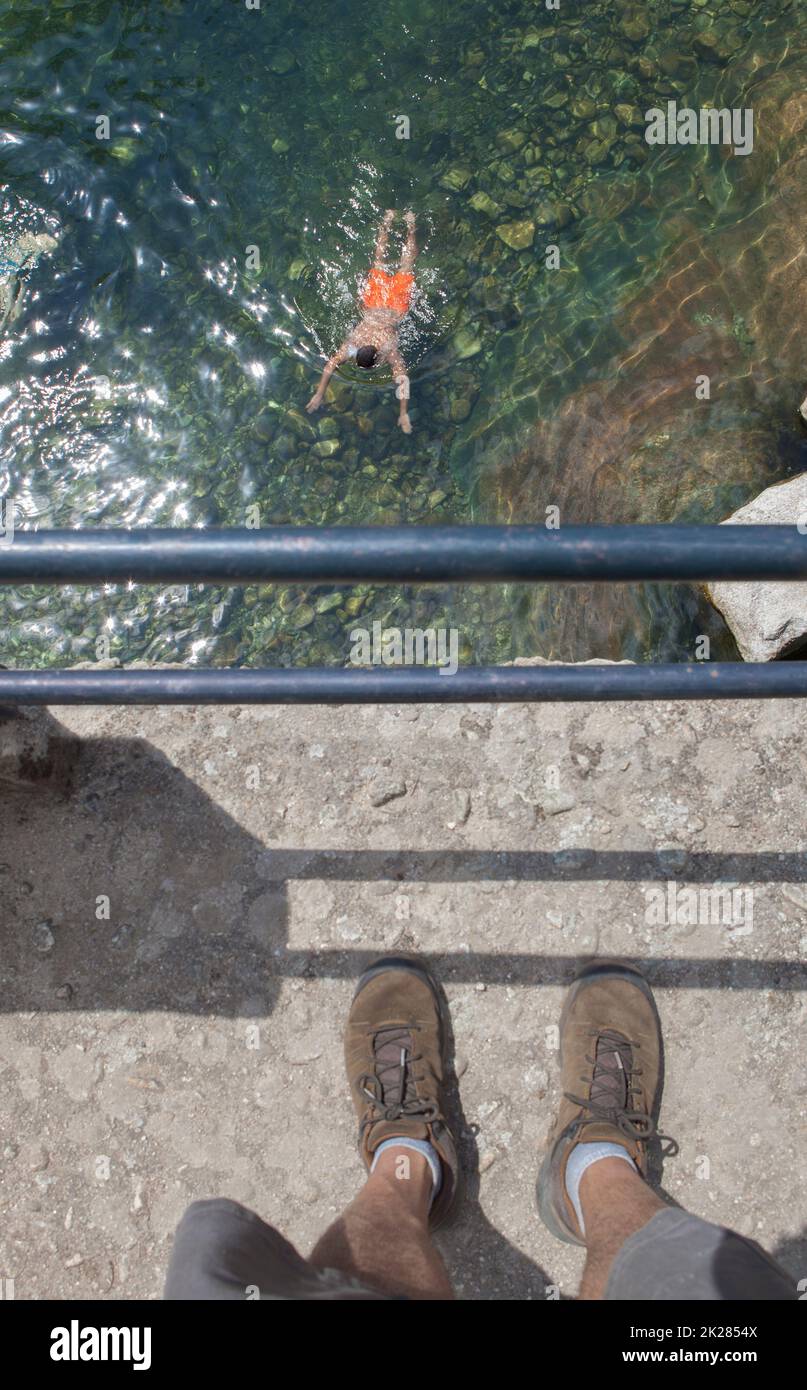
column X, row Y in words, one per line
column 416, row 967
column 549, row 1175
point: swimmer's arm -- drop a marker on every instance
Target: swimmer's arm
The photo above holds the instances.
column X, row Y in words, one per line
column 330, row 368
column 401, row 380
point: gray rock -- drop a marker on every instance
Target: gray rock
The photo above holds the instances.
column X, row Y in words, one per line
column 21, row 258
column 381, row 791
column 768, row 618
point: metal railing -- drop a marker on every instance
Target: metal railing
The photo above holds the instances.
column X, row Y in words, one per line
column 406, row 555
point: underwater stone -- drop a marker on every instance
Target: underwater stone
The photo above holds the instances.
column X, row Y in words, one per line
column 583, row 107
column 517, row 235
column 325, row 448
column 635, row 27
column 302, row 428
column 482, row 202
column 282, row 62
column 537, row 176
column 552, row 214
column 456, row 179
column 302, row 616
column 597, row 151
column 465, row 343
column 263, row 427
column 329, row 601
column 715, row 45
column 124, row 150
column 628, row 115
column 604, row 128
column 511, row 140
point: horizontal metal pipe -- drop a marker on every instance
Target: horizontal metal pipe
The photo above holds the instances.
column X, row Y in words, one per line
column 325, row 685
column 403, row 554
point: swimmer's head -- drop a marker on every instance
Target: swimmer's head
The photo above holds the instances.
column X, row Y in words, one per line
column 367, row 356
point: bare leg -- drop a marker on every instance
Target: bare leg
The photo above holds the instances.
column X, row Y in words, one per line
column 410, row 249
column 383, row 1237
column 380, row 253
column 616, row 1203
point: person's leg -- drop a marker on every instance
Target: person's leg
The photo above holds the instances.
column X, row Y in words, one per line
column 395, row 1059
column 616, row 1203
column 224, row 1252
column 382, row 239
column 410, row 249
column 383, row 1237
column 592, row 1190
column 381, row 1246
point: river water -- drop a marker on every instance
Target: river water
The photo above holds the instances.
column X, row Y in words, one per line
column 212, row 176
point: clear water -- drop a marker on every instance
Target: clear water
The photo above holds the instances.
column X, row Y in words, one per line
column 155, row 374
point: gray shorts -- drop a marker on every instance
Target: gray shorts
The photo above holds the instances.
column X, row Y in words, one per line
column 224, row 1251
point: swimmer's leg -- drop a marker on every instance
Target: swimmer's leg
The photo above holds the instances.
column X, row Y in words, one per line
column 410, row 249
column 380, row 253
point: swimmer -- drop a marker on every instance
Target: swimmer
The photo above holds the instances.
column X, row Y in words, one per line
column 385, row 301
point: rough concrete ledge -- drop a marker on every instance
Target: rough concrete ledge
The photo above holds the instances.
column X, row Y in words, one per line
column 182, row 929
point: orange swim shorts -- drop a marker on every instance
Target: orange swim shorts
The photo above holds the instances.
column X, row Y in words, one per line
column 385, row 291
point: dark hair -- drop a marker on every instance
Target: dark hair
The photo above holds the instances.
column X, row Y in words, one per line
column 366, row 356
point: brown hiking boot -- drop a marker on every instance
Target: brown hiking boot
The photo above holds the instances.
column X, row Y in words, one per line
column 395, row 1058
column 611, row 1072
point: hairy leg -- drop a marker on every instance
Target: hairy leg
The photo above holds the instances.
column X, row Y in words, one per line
column 380, row 253
column 616, row 1203
column 410, row 249
column 383, row 1237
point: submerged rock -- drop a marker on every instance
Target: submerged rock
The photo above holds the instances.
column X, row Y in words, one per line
column 517, row 235
column 593, row 407
column 768, row 618
column 21, row 257
column 456, row 179
column 282, row 61
column 466, row 343
column 482, row 202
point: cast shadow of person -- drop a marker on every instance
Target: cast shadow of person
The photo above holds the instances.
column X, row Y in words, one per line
column 124, row 886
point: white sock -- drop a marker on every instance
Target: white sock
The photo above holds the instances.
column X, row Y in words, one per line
column 582, row 1158
column 420, row 1146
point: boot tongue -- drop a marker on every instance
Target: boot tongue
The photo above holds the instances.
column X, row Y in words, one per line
column 393, row 1050
column 609, row 1087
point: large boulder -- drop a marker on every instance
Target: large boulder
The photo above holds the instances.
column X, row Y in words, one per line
column 768, row 619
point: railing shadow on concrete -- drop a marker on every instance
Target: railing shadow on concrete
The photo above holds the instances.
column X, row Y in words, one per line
column 199, row 907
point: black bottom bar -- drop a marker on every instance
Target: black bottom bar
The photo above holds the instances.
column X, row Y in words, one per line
column 324, row 685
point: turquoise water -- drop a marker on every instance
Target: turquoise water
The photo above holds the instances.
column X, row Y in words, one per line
column 156, row 370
